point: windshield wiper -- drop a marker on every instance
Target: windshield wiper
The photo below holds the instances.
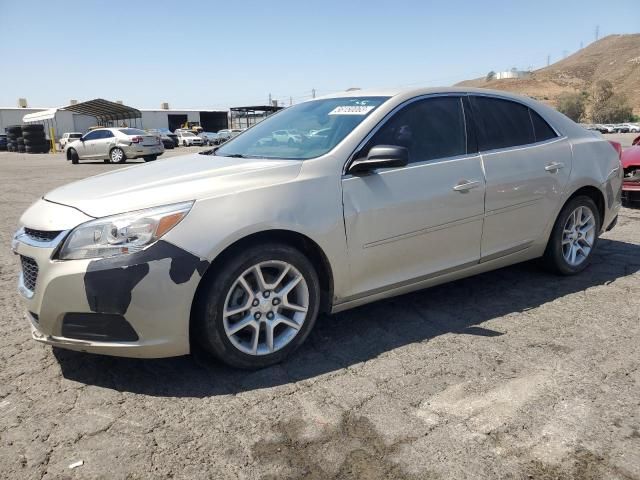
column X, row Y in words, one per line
column 234, row 155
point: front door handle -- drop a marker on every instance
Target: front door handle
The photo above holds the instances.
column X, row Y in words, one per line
column 466, row 185
column 554, row 166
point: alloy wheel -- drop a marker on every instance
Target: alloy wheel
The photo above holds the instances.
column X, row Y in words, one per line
column 578, row 236
column 265, row 307
column 116, row 155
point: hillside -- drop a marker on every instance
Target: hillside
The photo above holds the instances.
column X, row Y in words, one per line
column 615, row 58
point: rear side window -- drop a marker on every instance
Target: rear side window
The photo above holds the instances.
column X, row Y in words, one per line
column 430, row 128
column 501, row 123
column 541, row 128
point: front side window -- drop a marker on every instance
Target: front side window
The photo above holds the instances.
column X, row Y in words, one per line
column 431, row 128
column 501, row 123
column 93, row 135
column 288, row 133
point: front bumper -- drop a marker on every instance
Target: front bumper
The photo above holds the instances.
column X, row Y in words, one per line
column 88, row 305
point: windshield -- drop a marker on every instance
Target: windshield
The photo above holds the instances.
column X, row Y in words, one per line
column 75, row 135
column 304, row 131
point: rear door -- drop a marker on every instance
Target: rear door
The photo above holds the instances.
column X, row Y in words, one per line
column 103, row 145
column 406, row 224
column 527, row 166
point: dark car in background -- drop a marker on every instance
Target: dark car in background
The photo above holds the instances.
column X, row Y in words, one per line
column 3, row 141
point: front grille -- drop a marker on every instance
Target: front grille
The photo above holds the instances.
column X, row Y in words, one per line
column 29, row 272
column 41, row 235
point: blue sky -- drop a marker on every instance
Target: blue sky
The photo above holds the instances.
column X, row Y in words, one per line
column 230, row 53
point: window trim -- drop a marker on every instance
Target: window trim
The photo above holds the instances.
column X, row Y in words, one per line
column 559, row 136
column 352, row 156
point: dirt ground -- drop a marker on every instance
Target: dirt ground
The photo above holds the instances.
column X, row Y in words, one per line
column 514, row 374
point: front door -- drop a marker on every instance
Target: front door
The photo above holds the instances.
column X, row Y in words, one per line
column 527, row 166
column 407, row 224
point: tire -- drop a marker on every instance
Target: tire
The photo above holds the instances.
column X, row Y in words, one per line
column 15, row 130
column 31, row 135
column 555, row 256
column 33, row 128
column 35, row 142
column 220, row 287
column 20, row 141
column 184, row 143
column 73, row 155
column 116, row 155
column 150, row 158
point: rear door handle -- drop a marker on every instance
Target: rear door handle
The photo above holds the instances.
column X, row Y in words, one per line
column 466, row 185
column 554, row 166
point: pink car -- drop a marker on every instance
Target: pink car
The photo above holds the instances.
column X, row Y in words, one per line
column 630, row 160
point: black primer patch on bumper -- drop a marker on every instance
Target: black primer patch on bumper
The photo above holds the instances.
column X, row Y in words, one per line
column 108, row 282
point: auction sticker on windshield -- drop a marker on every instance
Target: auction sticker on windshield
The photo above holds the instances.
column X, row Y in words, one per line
column 352, row 110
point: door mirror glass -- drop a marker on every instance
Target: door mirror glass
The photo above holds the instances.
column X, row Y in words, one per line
column 381, row 156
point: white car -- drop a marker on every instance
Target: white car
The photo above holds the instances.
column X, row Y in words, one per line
column 187, row 139
column 68, row 138
column 290, row 137
column 115, row 145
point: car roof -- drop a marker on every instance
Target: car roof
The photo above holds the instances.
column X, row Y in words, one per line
column 416, row 92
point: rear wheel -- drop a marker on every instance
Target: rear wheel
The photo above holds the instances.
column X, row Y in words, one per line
column 574, row 237
column 73, row 156
column 117, row 155
column 259, row 307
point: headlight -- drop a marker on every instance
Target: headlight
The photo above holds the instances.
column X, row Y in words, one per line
column 122, row 234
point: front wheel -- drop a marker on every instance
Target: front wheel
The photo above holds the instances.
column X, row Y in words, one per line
column 574, row 237
column 259, row 307
column 117, row 156
column 150, row 158
column 73, row 155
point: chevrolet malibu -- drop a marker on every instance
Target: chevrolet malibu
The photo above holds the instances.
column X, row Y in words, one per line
column 241, row 248
column 115, row 145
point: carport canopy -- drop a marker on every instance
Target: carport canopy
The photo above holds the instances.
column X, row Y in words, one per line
column 104, row 110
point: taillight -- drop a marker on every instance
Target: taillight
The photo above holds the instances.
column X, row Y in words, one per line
column 618, row 148
column 136, row 139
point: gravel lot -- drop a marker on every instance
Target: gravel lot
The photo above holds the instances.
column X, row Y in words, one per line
column 512, row 374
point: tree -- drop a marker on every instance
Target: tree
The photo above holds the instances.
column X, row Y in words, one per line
column 490, row 76
column 608, row 106
column 573, row 105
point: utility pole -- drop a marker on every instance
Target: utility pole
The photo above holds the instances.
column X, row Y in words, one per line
column 548, row 60
column 313, row 93
column 270, row 103
column 597, row 32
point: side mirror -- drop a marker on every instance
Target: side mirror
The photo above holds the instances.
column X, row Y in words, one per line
column 381, row 156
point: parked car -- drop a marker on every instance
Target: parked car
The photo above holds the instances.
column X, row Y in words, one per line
column 4, row 141
column 69, row 137
column 187, row 139
column 167, row 141
column 631, row 182
column 621, row 128
column 632, row 127
column 227, row 134
column 115, row 145
column 605, row 128
column 209, row 138
column 241, row 251
column 287, row 136
column 168, row 133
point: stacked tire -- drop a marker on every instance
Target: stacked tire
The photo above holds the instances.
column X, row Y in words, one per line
column 33, row 139
column 13, row 133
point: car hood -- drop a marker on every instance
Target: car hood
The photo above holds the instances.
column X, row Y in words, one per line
column 630, row 156
column 171, row 180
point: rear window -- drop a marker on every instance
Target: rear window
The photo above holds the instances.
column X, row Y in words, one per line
column 501, row 123
column 132, row 131
column 75, row 135
column 541, row 129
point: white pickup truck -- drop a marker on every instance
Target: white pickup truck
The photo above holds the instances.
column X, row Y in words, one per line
column 69, row 137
